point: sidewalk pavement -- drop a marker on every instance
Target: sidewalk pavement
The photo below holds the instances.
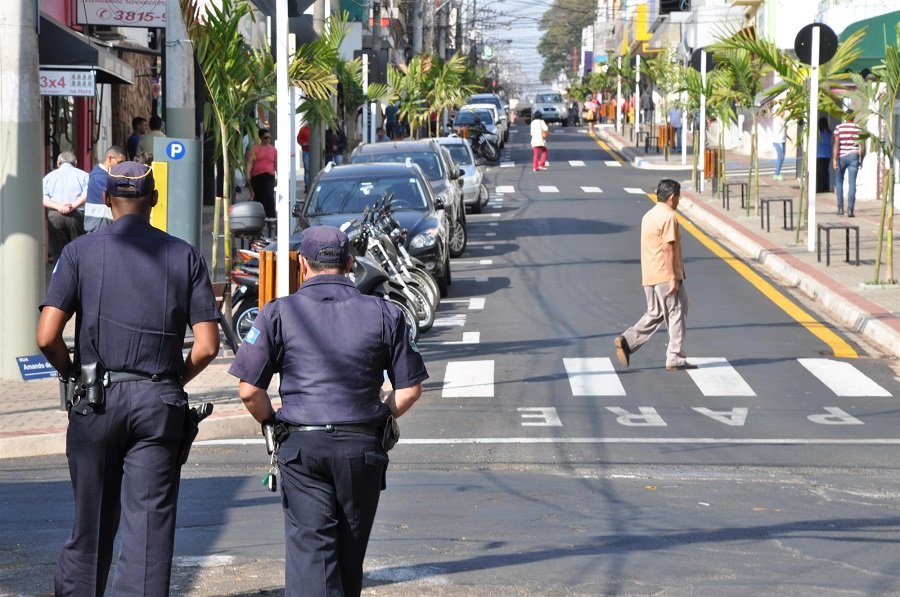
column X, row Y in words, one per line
column 841, row 289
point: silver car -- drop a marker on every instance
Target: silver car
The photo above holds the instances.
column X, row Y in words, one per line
column 475, row 193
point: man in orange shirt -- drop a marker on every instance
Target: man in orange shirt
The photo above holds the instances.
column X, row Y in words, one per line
column 662, row 274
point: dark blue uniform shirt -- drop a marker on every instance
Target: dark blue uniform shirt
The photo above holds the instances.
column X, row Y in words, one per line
column 134, row 290
column 331, row 344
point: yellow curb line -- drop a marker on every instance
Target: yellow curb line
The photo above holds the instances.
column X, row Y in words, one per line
column 839, row 347
column 604, row 146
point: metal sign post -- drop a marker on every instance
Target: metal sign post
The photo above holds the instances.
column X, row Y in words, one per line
column 282, row 144
column 619, row 94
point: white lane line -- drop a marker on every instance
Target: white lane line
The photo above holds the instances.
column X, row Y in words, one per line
column 493, row 224
column 548, row 189
column 467, row 338
column 775, row 441
column 593, row 377
column 475, row 304
column 471, row 262
column 592, row 189
column 505, row 189
column 490, row 234
column 634, row 190
column 449, row 321
column 576, row 163
column 496, row 215
column 843, row 378
column 716, row 377
column 507, row 164
column 613, row 164
column 469, row 379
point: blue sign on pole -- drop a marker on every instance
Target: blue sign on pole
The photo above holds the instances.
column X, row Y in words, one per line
column 175, row 150
column 35, row 367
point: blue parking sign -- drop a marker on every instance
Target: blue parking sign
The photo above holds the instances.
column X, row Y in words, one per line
column 175, row 150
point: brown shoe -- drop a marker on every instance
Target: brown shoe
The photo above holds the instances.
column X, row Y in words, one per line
column 623, row 352
column 684, row 365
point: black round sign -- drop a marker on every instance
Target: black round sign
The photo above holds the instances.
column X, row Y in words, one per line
column 828, row 43
column 695, row 60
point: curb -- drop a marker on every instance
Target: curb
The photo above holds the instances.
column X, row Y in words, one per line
column 233, row 421
column 875, row 331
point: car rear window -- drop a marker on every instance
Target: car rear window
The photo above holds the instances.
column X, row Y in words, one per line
column 459, row 153
column 548, row 98
column 467, row 117
column 428, row 162
column 353, row 195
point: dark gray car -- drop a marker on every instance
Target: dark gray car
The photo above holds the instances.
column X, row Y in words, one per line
column 439, row 169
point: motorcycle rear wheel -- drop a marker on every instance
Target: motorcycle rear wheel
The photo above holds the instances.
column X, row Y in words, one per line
column 427, row 283
column 490, row 151
column 244, row 316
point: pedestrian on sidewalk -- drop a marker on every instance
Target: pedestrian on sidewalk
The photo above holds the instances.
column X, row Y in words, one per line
column 779, row 130
column 847, row 158
column 676, row 124
column 824, row 152
column 96, row 214
column 662, row 275
column 539, row 134
column 135, row 290
column 65, row 193
column 262, row 167
column 303, row 141
column 330, row 345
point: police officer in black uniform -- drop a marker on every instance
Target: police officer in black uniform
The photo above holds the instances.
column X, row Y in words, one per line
column 331, row 345
column 134, row 290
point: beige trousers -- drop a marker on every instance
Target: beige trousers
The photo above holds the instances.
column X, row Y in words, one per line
column 661, row 308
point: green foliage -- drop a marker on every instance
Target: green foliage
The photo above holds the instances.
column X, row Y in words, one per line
column 429, row 84
column 314, row 69
column 562, row 24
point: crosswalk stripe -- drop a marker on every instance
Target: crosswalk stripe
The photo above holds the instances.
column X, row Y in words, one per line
column 593, row 377
column 613, row 164
column 456, row 320
column 843, row 378
column 476, row 304
column 576, row 163
column 505, row 189
column 717, row 377
column 507, row 164
column 467, row 338
column 592, row 189
column 633, row 190
column 469, row 379
column 548, row 189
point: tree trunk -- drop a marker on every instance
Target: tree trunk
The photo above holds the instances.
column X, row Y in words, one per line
column 753, row 175
column 881, row 228
column 802, row 212
column 226, row 219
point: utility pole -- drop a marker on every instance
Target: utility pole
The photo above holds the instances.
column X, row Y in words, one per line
column 22, row 265
column 181, row 115
column 316, row 133
column 418, row 16
column 428, row 27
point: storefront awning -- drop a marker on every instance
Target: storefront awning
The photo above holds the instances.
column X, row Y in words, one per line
column 62, row 48
column 881, row 31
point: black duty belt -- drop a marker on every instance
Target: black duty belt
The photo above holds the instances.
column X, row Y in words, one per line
column 364, row 429
column 119, row 376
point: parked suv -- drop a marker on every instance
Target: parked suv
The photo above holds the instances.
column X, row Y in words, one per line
column 442, row 173
column 552, row 107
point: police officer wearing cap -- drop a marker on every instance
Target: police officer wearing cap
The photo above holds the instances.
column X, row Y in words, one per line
column 134, row 290
column 331, row 345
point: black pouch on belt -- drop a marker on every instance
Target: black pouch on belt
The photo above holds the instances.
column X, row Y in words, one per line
column 391, row 434
column 192, row 428
column 93, row 384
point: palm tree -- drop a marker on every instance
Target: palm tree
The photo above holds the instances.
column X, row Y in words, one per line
column 238, row 78
column 666, row 73
column 445, row 83
column 877, row 98
column 793, row 85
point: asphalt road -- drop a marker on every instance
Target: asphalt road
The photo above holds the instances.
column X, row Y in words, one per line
column 535, row 465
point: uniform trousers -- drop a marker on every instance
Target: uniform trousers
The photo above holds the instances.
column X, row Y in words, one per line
column 671, row 310
column 124, row 465
column 330, row 485
column 63, row 229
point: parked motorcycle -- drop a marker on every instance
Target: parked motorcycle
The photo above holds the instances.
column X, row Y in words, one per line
column 481, row 144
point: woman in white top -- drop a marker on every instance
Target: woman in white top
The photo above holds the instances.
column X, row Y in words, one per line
column 539, row 132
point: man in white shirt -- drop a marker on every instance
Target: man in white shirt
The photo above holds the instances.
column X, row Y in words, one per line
column 65, row 192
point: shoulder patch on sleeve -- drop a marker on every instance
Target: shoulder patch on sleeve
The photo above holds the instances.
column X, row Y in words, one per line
column 251, row 336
